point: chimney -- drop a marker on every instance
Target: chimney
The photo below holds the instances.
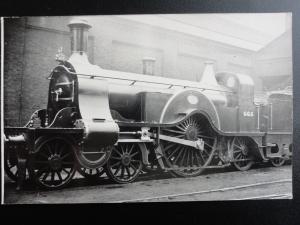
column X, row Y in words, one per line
column 148, row 65
column 208, row 76
column 79, row 35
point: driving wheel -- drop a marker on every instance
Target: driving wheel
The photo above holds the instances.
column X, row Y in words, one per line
column 177, row 156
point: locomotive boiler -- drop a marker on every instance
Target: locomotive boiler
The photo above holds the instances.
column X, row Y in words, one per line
column 122, row 123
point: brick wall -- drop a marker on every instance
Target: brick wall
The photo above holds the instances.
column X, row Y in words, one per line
column 14, row 35
column 40, row 49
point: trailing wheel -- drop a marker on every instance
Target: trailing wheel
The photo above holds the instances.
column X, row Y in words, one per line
column 194, row 128
column 125, row 163
column 277, row 161
column 53, row 165
column 242, row 147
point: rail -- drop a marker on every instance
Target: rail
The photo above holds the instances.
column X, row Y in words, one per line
column 216, row 190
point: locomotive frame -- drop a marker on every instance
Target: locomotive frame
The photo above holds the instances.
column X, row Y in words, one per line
column 126, row 123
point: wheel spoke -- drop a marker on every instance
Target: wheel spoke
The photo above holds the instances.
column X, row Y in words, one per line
column 115, row 164
column 45, row 176
column 122, row 171
column 11, row 166
column 175, row 131
column 117, row 158
column 128, row 171
column 203, row 136
column 169, row 146
column 240, row 142
column 180, row 128
column 183, row 157
column 116, row 151
column 188, row 157
column 131, row 149
column 203, row 160
column 118, row 169
column 122, row 149
column 68, row 172
column 134, row 168
column 208, row 145
column 66, row 155
column 41, row 171
column 49, row 149
column 239, row 147
column 59, row 176
column 134, row 160
column 173, row 152
column 239, row 156
column 52, row 176
column 134, row 154
column 178, row 156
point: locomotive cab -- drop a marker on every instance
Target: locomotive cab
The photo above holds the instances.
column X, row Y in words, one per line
column 242, row 99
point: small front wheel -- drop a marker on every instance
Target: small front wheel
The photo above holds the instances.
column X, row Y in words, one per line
column 53, row 165
column 91, row 174
column 125, row 163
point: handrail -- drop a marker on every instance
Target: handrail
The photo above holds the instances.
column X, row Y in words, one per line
column 134, row 81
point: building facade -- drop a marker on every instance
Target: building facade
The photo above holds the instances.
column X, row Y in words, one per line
column 118, row 44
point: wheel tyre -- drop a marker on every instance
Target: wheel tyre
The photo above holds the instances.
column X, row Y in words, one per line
column 277, row 162
column 175, row 155
column 50, row 160
column 91, row 174
column 117, row 165
column 238, row 144
column 10, row 164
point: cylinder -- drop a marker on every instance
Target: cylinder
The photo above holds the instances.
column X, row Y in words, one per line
column 79, row 35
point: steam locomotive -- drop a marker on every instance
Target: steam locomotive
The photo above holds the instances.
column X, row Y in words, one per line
column 123, row 123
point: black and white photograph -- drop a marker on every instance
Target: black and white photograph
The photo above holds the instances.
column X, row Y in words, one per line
column 147, row 108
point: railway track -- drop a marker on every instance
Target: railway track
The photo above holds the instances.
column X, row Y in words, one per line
column 226, row 189
column 259, row 183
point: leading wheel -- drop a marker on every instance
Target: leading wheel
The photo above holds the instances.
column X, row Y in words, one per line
column 125, row 163
column 91, row 174
column 53, row 165
column 10, row 163
column 176, row 155
column 94, row 172
column 241, row 147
